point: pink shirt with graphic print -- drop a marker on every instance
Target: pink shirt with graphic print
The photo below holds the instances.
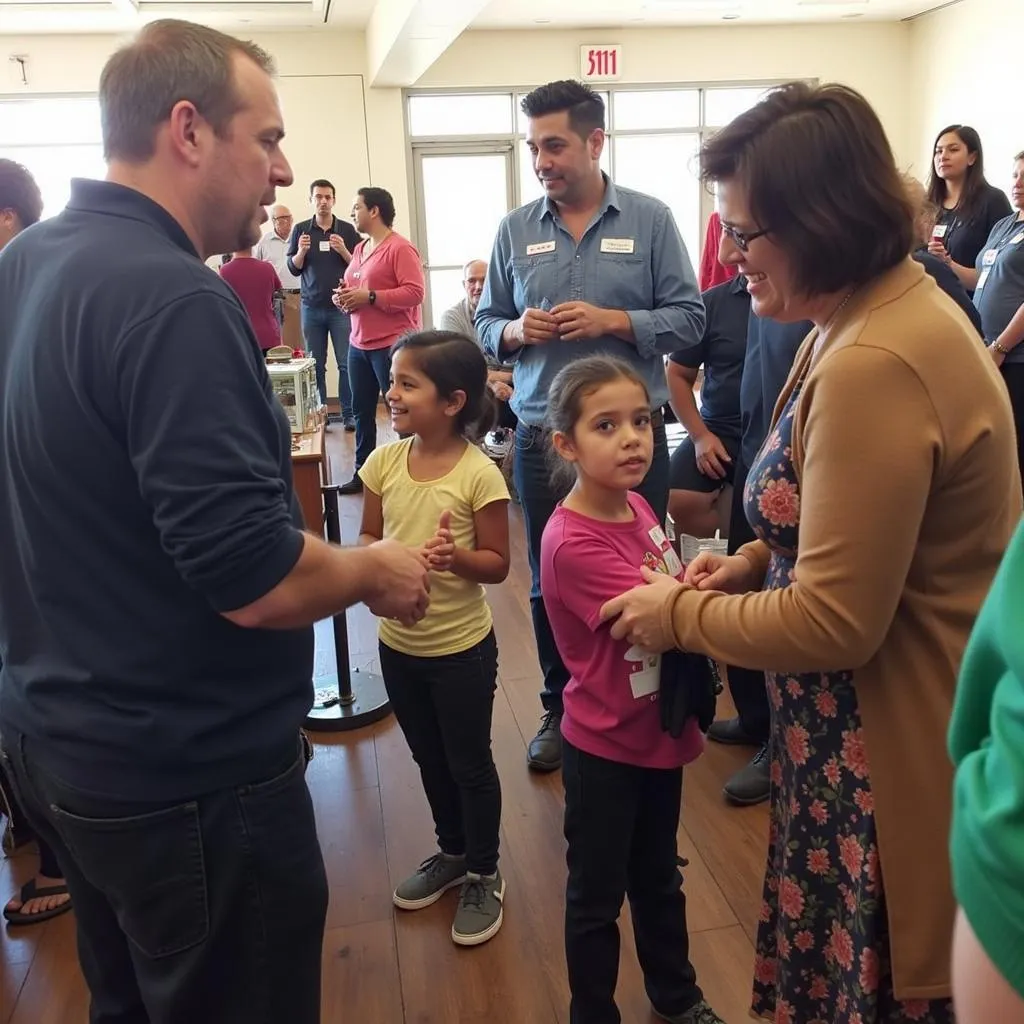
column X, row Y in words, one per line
column 611, row 699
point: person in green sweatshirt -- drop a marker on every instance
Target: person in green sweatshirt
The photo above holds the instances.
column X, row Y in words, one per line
column 986, row 742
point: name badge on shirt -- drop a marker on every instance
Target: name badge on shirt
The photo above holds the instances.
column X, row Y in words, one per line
column 619, row 245
column 672, row 563
column 657, row 535
column 325, row 246
column 1017, row 238
column 644, row 672
column 939, row 231
column 981, row 280
column 989, row 258
column 540, row 247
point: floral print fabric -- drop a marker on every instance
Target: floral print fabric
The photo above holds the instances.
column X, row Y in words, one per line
column 822, row 941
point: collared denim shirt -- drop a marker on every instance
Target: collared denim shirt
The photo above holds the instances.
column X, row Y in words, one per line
column 631, row 257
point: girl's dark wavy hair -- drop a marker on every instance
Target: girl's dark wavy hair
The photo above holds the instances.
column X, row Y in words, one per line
column 453, row 362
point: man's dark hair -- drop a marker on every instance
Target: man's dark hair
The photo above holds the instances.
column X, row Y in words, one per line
column 820, row 179
column 585, row 107
column 381, row 199
column 20, row 193
column 170, row 61
column 321, row 183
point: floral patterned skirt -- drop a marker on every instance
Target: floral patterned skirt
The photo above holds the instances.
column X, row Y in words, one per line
column 823, row 942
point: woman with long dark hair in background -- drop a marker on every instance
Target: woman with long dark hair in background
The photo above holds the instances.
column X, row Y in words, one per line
column 968, row 204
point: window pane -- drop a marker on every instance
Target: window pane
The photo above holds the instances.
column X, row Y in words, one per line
column 673, row 108
column 445, row 290
column 487, row 114
column 722, row 105
column 530, row 188
column 451, row 186
column 41, row 121
column 53, row 167
column 521, row 118
column 664, row 166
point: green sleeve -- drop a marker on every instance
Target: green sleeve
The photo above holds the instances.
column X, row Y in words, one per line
column 986, row 741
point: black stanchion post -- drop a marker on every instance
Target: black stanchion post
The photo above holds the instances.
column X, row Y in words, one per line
column 360, row 698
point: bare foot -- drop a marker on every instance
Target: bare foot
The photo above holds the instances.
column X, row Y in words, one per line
column 40, row 904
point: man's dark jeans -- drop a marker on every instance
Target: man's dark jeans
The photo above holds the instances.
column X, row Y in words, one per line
column 317, row 322
column 207, row 911
column 539, row 496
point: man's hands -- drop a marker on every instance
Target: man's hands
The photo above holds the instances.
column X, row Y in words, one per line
column 401, row 586
column 534, row 327
column 337, row 243
column 304, row 243
column 569, row 321
column 440, row 549
column 501, row 391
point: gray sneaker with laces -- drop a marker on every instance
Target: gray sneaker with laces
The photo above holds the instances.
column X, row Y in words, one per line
column 480, row 909
column 431, row 880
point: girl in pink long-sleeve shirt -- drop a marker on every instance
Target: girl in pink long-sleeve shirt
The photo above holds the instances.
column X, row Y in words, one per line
column 383, row 291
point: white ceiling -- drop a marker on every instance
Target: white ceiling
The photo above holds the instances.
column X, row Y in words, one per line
column 71, row 16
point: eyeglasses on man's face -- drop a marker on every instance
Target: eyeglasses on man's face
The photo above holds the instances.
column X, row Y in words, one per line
column 743, row 238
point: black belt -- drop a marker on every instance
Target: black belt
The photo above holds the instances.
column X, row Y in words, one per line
column 657, row 420
column 291, row 291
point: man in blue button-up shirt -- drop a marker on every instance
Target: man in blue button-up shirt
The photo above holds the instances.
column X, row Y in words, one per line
column 591, row 268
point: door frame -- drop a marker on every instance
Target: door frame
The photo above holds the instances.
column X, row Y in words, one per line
column 421, row 150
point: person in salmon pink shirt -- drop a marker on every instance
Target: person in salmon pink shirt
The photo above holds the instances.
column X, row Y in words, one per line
column 383, row 291
column 255, row 283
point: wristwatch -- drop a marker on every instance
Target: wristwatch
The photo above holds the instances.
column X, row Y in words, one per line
column 999, row 348
column 373, row 297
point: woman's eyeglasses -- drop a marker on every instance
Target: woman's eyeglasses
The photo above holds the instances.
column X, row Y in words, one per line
column 742, row 238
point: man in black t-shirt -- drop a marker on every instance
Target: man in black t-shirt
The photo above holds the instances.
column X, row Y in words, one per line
column 319, row 251
column 157, row 592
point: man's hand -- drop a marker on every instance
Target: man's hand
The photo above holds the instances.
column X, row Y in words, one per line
column 535, row 327
column 337, row 243
column 401, row 587
column 440, row 549
column 712, row 457
column 304, row 243
column 353, row 298
column 580, row 321
column 502, row 392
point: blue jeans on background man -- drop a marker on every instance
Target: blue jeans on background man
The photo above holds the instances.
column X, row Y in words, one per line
column 317, row 322
column 538, row 496
column 369, row 371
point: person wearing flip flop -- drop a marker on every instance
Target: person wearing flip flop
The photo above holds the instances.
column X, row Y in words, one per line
column 45, row 895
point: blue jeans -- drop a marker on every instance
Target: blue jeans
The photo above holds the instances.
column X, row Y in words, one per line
column 539, row 497
column 317, row 321
column 209, row 909
column 369, row 370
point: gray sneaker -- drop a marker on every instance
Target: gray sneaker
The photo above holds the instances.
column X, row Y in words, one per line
column 431, row 880
column 480, row 910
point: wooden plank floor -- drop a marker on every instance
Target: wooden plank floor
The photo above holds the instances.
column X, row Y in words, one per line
column 387, row 967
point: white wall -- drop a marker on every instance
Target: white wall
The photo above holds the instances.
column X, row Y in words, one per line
column 965, row 70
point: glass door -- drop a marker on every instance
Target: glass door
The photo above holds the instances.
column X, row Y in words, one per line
column 462, row 194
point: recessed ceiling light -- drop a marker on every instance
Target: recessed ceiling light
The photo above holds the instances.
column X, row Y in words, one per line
column 542, row 21
column 730, row 17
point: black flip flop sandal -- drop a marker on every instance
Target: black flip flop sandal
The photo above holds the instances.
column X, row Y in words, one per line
column 30, row 891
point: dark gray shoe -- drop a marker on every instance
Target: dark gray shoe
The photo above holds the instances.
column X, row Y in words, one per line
column 752, row 784
column 699, row 1014
column 545, row 750
column 480, row 910
column 431, row 880
column 354, row 486
column 731, row 731
column 350, row 424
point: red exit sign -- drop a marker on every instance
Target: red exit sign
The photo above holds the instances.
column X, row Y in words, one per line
column 600, row 63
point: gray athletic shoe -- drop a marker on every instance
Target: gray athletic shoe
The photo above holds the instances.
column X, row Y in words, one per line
column 431, row 880
column 480, row 909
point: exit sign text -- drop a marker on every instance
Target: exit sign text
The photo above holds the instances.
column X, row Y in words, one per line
column 600, row 63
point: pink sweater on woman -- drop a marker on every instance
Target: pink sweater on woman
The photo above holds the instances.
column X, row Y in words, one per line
column 392, row 270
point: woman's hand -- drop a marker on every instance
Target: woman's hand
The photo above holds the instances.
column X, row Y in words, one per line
column 639, row 612
column 730, row 574
column 353, row 298
column 997, row 356
column 936, row 248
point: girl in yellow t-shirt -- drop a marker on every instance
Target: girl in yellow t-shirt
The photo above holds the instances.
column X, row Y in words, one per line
column 436, row 491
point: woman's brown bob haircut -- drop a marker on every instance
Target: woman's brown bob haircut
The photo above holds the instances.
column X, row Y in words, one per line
column 819, row 175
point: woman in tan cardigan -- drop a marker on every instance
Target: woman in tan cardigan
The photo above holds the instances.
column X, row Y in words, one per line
column 883, row 500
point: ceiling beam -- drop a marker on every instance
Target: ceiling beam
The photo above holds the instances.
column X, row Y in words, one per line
column 405, row 37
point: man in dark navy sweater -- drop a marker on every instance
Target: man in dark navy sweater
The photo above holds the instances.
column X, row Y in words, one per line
column 156, row 590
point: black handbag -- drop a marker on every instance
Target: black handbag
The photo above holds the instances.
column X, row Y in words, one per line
column 688, row 689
